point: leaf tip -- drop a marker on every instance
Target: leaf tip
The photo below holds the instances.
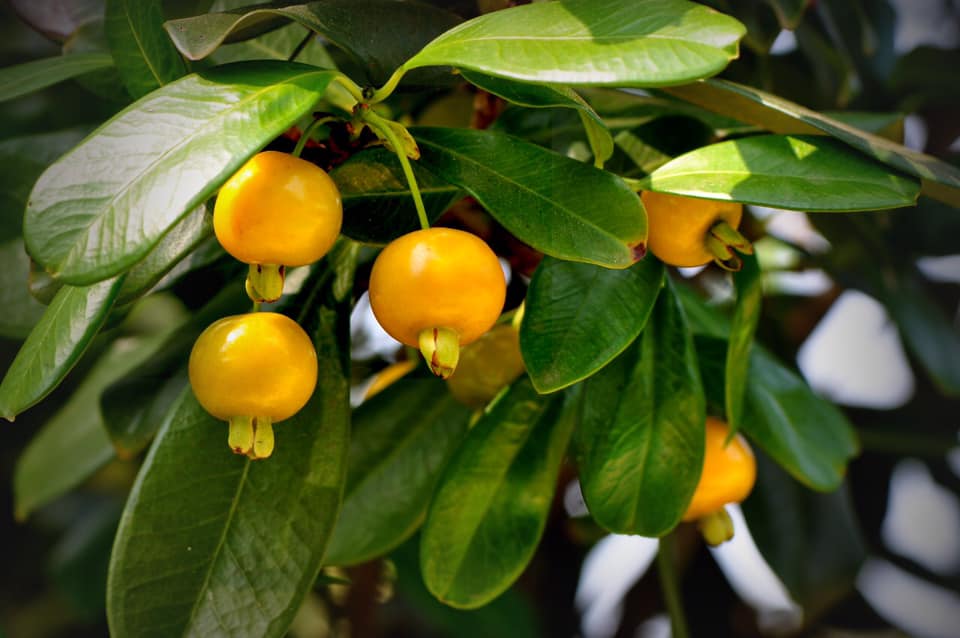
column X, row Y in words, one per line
column 639, row 251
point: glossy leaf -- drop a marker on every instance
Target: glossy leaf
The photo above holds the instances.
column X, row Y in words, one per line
column 578, row 317
column 491, row 504
column 229, row 546
column 23, row 79
column 377, row 34
column 20, row 310
column 807, row 435
column 792, row 172
column 748, row 283
column 811, row 540
column 73, row 444
column 592, row 42
column 640, row 442
column 546, row 96
column 401, row 439
column 55, row 344
column 560, row 206
column 144, row 55
column 940, row 180
column 91, row 217
column 377, row 204
column 278, row 44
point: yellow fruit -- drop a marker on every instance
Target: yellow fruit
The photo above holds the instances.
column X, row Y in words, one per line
column 679, row 227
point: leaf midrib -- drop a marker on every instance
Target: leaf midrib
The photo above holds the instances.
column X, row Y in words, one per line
column 136, row 40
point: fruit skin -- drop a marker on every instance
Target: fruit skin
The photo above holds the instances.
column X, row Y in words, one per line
column 679, row 226
column 278, row 209
column 259, row 364
column 728, row 472
column 437, row 278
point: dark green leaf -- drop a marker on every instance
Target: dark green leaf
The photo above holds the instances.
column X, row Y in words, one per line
column 560, row 206
column 73, row 444
column 377, row 204
column 793, row 172
column 23, row 79
column 278, row 44
column 377, row 34
column 144, row 55
column 20, row 310
column 940, row 180
column 749, row 286
column 135, row 404
column 653, row 144
column 811, row 540
column 598, row 42
column 91, row 217
column 400, row 441
column 183, row 239
column 807, row 435
column 578, row 317
column 546, row 96
column 228, row 545
column 641, row 436
column 493, row 498
column 55, row 344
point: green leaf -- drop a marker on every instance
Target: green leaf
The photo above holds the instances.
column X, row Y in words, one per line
column 812, row 541
column 401, row 439
column 641, row 436
column 652, row 144
column 560, row 206
column 57, row 19
column 378, row 35
column 748, row 283
column 91, row 217
column 377, row 203
column 278, row 44
column 579, row 317
column 185, row 237
column 792, row 172
column 491, row 505
column 135, row 404
column 546, row 96
column 227, row 545
column 20, row 310
column 807, row 435
column 592, row 42
column 55, row 344
column 940, row 180
column 73, row 444
column 26, row 78
column 144, row 55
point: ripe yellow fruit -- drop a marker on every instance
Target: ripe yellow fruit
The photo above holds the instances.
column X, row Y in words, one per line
column 679, row 227
column 729, row 472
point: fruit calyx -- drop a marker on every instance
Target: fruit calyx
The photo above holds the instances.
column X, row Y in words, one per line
column 265, row 282
column 440, row 348
column 251, row 436
column 716, row 528
column 723, row 242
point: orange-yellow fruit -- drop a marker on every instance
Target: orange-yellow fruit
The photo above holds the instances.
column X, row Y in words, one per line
column 437, row 278
column 260, row 364
column 278, row 209
column 678, row 226
column 729, row 472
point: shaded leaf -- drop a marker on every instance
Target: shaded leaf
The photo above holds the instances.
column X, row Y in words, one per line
column 230, row 546
column 144, row 55
column 748, row 283
column 491, row 504
column 546, row 96
column 377, row 34
column 23, row 79
column 592, row 42
column 20, row 310
column 73, row 444
column 401, row 439
column 91, row 217
column 57, row 19
column 940, row 180
column 560, row 206
column 791, row 172
column 578, row 317
column 640, row 442
column 377, row 204
column 55, row 344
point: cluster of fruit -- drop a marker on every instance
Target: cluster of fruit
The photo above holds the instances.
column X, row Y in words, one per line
column 437, row 289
